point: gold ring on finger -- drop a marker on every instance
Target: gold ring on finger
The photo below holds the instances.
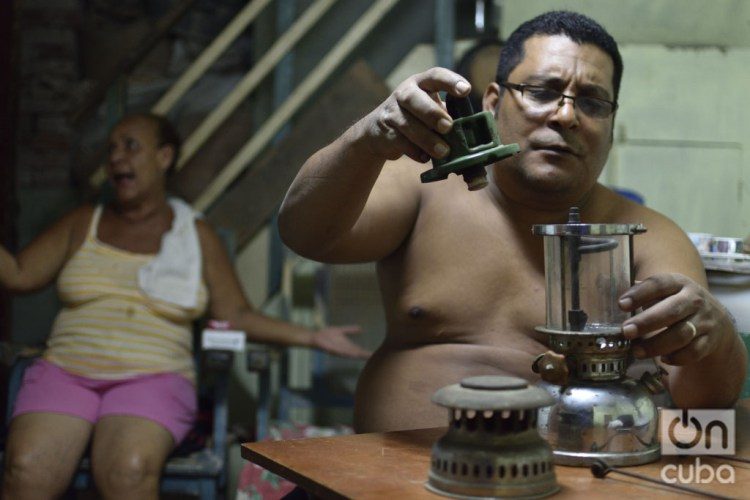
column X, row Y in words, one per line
column 693, row 329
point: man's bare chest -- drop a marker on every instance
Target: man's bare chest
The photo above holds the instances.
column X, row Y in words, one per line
column 461, row 279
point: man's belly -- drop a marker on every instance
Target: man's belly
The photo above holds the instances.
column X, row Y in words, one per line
column 395, row 389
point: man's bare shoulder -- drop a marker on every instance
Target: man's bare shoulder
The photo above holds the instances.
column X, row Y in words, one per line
column 664, row 247
column 385, row 221
column 406, row 172
column 404, row 169
column 398, row 190
column 614, row 207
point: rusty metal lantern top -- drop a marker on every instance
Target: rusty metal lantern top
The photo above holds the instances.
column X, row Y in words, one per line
column 492, row 393
column 492, row 447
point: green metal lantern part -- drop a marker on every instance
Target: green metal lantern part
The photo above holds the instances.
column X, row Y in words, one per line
column 474, row 143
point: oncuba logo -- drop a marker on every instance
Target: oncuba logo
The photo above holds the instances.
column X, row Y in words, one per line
column 697, row 432
column 697, row 473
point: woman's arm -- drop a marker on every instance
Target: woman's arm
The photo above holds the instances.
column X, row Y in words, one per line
column 38, row 264
column 228, row 303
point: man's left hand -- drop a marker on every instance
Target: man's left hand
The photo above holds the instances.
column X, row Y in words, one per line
column 685, row 316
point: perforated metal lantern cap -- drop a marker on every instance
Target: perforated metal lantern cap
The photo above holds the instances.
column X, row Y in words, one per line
column 492, row 447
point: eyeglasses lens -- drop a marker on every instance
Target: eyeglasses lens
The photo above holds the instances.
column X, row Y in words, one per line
column 546, row 100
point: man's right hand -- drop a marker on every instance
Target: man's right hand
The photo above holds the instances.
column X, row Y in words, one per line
column 343, row 206
column 410, row 120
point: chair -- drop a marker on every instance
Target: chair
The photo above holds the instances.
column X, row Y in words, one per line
column 200, row 472
column 310, row 382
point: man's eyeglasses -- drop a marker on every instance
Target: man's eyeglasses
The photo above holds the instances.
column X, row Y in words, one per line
column 545, row 99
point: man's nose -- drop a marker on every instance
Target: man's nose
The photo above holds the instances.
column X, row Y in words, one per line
column 565, row 112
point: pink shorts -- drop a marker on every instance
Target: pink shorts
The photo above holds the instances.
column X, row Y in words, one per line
column 168, row 399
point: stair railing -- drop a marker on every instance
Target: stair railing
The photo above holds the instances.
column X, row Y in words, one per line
column 197, row 69
column 296, row 99
column 253, row 77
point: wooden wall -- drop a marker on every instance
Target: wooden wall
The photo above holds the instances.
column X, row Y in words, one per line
column 7, row 140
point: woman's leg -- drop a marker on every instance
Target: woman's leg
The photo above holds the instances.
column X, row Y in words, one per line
column 127, row 456
column 141, row 420
column 42, row 453
column 53, row 418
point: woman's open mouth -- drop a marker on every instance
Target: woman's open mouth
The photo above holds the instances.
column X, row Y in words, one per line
column 123, row 178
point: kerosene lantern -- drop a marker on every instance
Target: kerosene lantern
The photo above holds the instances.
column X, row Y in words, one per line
column 599, row 412
column 492, row 448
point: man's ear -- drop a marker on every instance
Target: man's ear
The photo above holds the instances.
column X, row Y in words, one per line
column 165, row 156
column 491, row 98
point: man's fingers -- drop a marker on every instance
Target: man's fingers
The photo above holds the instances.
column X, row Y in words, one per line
column 421, row 106
column 419, row 96
column 436, row 97
column 696, row 350
column 400, row 145
column 650, row 290
column 416, row 133
column 415, row 113
column 362, row 354
column 351, row 329
column 442, row 79
column 660, row 315
column 411, row 150
column 672, row 339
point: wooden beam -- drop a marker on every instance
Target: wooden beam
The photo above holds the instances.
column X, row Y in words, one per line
column 8, row 116
column 322, row 71
column 251, row 201
column 190, row 182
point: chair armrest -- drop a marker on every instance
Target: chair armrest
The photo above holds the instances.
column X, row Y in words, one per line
column 11, row 353
column 217, row 364
column 258, row 359
column 17, row 358
column 217, row 360
column 218, row 345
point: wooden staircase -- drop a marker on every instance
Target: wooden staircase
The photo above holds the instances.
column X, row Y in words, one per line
column 229, row 168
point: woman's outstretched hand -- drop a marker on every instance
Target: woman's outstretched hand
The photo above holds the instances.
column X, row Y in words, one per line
column 335, row 340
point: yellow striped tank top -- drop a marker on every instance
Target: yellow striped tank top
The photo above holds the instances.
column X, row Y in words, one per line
column 108, row 328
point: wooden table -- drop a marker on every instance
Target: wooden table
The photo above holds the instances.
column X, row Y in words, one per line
column 395, row 465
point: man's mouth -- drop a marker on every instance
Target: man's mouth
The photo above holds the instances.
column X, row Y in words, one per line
column 555, row 147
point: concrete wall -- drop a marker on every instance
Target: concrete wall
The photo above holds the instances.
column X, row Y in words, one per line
column 680, row 135
column 690, row 23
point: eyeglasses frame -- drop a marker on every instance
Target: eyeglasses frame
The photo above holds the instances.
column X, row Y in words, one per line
column 520, row 87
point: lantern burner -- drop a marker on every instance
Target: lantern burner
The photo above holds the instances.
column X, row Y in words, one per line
column 492, row 447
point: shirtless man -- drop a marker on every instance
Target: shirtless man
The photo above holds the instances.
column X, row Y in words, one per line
column 461, row 276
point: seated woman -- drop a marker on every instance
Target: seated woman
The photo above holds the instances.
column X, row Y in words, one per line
column 118, row 368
